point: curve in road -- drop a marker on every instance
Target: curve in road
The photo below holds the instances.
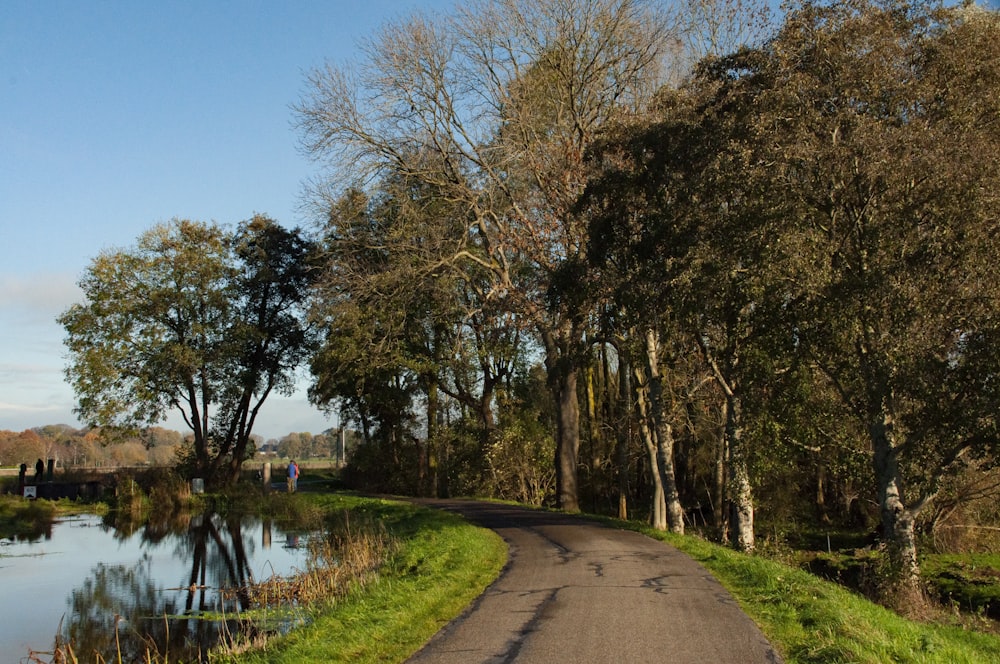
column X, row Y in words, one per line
column 575, row 591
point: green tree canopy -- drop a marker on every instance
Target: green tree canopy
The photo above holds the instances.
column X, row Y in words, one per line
column 196, row 320
column 833, row 194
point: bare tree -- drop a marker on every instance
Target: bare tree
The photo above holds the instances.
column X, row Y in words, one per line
column 507, row 96
column 715, row 28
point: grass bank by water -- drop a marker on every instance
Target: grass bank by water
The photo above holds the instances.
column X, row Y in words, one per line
column 440, row 564
column 33, row 518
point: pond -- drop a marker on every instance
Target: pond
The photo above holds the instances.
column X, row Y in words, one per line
column 165, row 583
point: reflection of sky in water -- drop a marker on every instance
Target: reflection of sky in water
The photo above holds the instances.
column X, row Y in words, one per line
column 36, row 579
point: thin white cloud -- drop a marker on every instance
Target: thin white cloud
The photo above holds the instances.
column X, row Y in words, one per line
column 28, row 376
column 24, row 408
column 45, row 294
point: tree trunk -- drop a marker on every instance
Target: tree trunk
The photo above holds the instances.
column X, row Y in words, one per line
column 904, row 552
column 567, row 440
column 234, row 465
column 425, row 452
column 595, row 448
column 442, row 467
column 562, row 368
column 739, row 477
column 720, row 516
column 671, row 497
column 737, row 473
column 658, row 509
column 897, row 521
column 624, row 430
column 821, row 511
column 664, row 437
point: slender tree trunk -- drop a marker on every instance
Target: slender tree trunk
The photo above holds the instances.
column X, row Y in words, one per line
column 424, row 480
column 624, row 430
column 720, row 515
column 739, row 476
column 821, row 511
column 737, row 472
column 664, row 437
column 593, row 429
column 444, row 461
column 658, row 509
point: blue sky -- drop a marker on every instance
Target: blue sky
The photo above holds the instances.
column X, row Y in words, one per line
column 117, row 115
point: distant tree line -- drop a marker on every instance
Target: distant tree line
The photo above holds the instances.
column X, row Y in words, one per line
column 86, row 448
column 72, row 448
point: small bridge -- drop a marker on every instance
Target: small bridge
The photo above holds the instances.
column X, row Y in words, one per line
column 42, row 484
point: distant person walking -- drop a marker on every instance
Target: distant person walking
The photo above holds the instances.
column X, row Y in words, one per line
column 293, row 476
column 39, row 471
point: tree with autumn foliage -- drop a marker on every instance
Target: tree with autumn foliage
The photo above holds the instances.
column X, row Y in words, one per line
column 879, row 124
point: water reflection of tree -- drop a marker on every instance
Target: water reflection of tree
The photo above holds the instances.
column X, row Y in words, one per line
column 168, row 621
column 227, row 560
column 113, row 592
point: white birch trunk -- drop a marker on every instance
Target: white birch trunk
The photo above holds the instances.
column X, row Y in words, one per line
column 658, row 511
column 664, row 437
column 739, row 477
column 898, row 521
column 741, row 513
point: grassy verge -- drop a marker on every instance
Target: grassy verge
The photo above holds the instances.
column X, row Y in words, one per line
column 811, row 620
column 441, row 564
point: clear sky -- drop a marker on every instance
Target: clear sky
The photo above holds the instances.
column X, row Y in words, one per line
column 117, row 115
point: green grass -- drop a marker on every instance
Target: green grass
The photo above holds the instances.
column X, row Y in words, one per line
column 441, row 565
column 811, row 620
column 969, row 581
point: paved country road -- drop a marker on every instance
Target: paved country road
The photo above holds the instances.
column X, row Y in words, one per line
column 578, row 592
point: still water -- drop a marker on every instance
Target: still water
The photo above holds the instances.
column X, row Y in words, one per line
column 82, row 575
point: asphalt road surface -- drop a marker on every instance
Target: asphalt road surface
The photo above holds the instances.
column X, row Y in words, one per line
column 578, row 592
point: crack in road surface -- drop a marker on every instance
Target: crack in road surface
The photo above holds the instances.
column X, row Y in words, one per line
column 514, row 648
